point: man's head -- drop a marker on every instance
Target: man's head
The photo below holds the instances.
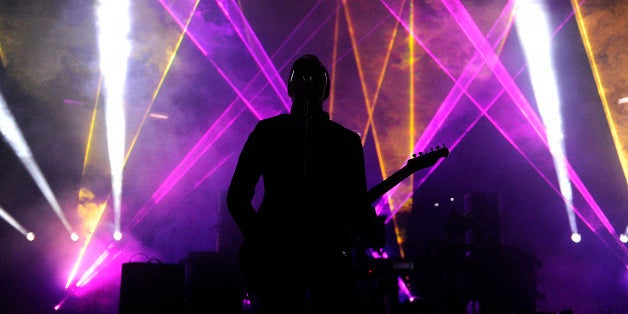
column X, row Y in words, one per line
column 309, row 80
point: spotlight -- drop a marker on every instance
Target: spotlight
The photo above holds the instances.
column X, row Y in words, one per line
column 576, row 237
column 30, row 236
column 623, row 238
column 451, row 199
column 74, row 236
column 13, row 136
column 436, row 204
column 117, row 235
column 534, row 34
column 11, row 220
column 115, row 47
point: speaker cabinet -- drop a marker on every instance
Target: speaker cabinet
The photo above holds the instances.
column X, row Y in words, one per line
column 152, row 288
column 213, row 283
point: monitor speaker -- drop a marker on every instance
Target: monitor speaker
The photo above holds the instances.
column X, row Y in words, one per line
column 152, row 288
column 213, row 283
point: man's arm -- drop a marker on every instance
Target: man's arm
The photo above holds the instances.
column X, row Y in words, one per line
column 242, row 188
column 364, row 213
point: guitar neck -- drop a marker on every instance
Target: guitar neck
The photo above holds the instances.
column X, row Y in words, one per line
column 416, row 163
column 380, row 189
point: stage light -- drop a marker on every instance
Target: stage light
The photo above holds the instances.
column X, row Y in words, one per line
column 404, row 290
column 451, row 199
column 623, row 238
column 8, row 218
column 117, row 234
column 534, row 34
column 436, row 204
column 576, row 237
column 13, row 136
column 30, row 236
column 74, row 236
column 113, row 30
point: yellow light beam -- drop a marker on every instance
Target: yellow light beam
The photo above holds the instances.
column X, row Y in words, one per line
column 370, row 106
column 356, row 55
column 161, row 82
column 600, row 87
column 502, row 43
column 398, row 233
column 332, row 86
column 411, row 128
column 90, row 134
column 380, row 81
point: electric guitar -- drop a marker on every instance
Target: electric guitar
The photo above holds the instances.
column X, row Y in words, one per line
column 416, row 163
column 363, row 264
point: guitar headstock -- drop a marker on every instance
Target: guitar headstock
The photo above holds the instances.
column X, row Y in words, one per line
column 429, row 158
column 416, row 163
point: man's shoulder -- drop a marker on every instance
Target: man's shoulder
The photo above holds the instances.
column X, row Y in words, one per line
column 274, row 120
column 337, row 127
column 284, row 120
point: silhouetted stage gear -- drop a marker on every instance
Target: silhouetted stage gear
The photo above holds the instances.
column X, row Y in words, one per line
column 468, row 265
column 203, row 282
column 213, row 283
column 377, row 284
column 151, row 287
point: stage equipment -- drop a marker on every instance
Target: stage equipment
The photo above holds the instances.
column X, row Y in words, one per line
column 213, row 283
column 152, row 287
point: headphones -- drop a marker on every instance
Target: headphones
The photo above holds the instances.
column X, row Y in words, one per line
column 310, row 74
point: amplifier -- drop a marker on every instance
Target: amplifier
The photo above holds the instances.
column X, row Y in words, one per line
column 152, row 288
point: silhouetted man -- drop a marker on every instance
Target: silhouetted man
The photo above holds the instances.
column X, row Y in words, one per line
column 297, row 244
